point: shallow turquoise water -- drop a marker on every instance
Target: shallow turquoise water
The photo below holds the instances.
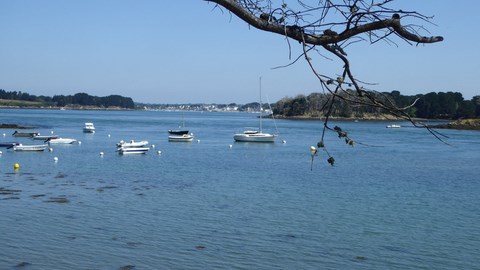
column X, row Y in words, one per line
column 406, row 201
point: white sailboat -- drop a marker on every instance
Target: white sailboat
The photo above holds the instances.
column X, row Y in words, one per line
column 256, row 135
column 181, row 131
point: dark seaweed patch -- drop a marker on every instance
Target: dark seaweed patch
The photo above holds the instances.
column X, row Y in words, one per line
column 127, row 267
column 22, row 264
column 58, row 200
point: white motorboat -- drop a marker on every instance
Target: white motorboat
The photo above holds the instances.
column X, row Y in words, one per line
column 132, row 147
column 89, row 128
column 131, row 143
column 61, row 141
column 181, row 138
column 132, row 150
column 37, row 147
column 393, row 126
column 256, row 135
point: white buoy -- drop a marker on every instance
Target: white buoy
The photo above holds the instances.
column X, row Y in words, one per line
column 198, row 141
column 50, row 149
column 79, row 142
column 284, row 141
column 51, row 132
column 55, row 159
column 230, row 146
column 4, row 134
column 101, row 154
column 153, row 145
column 109, row 135
column 159, row 152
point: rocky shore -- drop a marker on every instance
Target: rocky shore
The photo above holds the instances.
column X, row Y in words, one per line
column 464, row 124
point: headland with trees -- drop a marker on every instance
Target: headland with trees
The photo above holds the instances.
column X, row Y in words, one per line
column 446, row 106
column 77, row 101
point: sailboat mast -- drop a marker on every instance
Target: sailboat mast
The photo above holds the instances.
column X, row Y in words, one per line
column 260, row 99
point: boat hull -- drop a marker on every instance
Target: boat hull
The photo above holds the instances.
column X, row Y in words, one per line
column 180, row 138
column 132, row 150
column 132, row 143
column 44, row 138
column 61, row 141
column 25, row 148
column 255, row 137
column 177, row 132
column 393, row 126
column 24, row 134
column 8, row 144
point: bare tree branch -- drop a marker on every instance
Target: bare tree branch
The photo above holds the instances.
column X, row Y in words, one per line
column 296, row 32
column 332, row 26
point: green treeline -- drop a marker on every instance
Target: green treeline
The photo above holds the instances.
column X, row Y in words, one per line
column 449, row 105
column 79, row 99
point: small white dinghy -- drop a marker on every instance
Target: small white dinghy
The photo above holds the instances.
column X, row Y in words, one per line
column 132, row 147
column 132, row 150
column 61, row 141
column 132, row 143
column 181, row 138
column 393, row 126
column 35, row 147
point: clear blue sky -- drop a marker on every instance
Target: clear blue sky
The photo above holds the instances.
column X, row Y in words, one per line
column 186, row 52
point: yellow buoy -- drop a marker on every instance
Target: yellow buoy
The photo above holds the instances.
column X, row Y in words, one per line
column 16, row 166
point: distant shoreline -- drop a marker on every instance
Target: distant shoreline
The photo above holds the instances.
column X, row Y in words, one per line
column 464, row 124
column 79, row 108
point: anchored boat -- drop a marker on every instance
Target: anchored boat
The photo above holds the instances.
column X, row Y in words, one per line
column 181, row 138
column 38, row 147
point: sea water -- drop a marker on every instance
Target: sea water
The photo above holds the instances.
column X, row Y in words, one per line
column 398, row 199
